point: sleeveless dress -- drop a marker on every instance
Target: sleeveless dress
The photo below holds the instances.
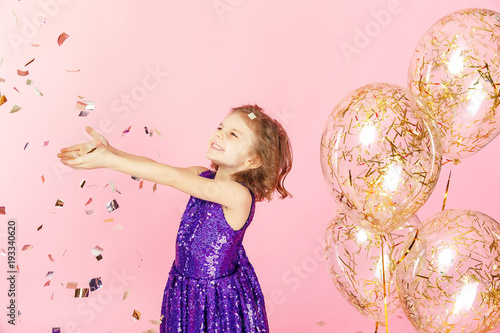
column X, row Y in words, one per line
column 212, row 287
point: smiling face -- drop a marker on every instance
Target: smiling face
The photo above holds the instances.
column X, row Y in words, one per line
column 231, row 146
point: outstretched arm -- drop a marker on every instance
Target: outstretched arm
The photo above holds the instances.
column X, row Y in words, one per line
column 97, row 153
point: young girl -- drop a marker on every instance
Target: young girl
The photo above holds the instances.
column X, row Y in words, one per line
column 212, row 287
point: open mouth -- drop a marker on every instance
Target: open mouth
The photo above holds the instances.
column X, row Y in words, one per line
column 217, row 147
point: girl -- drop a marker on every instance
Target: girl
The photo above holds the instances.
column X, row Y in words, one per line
column 212, row 287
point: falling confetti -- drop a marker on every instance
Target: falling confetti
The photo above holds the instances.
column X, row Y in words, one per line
column 126, row 130
column 2, row 210
column 321, row 323
column 157, row 132
column 15, row 18
column 95, row 284
column 15, row 108
column 97, row 252
column 27, row 145
column 51, row 258
column 141, row 184
column 154, row 187
column 71, row 285
column 45, row 143
column 37, row 92
column 125, row 295
column 81, row 292
column 39, row 228
column 62, row 38
column 59, row 203
column 82, row 184
column 136, row 315
column 22, row 73
column 43, row 179
column 27, row 247
column 112, row 205
column 56, row 330
column 109, row 220
column 29, row 62
column 88, row 202
column 117, row 227
column 89, row 212
column 3, row 99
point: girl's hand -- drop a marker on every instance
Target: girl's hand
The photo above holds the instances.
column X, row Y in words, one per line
column 93, row 154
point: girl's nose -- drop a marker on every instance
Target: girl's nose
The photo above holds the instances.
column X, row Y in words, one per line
column 219, row 134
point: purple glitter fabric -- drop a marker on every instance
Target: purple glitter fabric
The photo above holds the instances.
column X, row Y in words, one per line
column 212, row 287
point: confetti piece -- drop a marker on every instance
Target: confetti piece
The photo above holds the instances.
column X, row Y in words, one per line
column 16, row 89
column 81, row 292
column 99, row 257
column 146, row 130
column 80, row 97
column 59, row 203
column 52, row 297
column 97, row 250
column 252, row 116
column 72, row 70
column 89, row 212
column 51, row 258
column 47, row 283
column 3, row 99
column 109, row 220
column 37, row 92
column 35, row 45
column 39, row 228
column 71, row 285
column 117, row 227
column 29, row 62
column 141, row 184
column 112, row 205
column 2, row 210
column 136, row 315
column 112, row 187
column 85, row 105
column 82, row 184
column 15, row 18
column 27, row 145
column 154, row 187
column 155, row 322
column 15, row 108
column 319, row 323
column 126, row 130
column 22, row 73
column 43, row 179
column 125, row 295
column 27, row 247
column 62, row 38
column 2, row 80
column 95, row 284
column 56, row 329
column 64, row 252
column 2, row 252
column 49, row 274
column 88, row 202
column 157, row 132
column 135, row 178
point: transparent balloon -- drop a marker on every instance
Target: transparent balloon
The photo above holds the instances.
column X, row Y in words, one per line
column 380, row 156
column 354, row 260
column 450, row 279
column 455, row 70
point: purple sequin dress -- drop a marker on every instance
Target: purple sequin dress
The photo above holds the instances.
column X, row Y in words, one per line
column 212, row 287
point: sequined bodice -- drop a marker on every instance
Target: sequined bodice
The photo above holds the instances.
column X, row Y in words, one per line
column 207, row 247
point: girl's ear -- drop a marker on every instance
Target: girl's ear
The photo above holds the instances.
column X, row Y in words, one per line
column 253, row 162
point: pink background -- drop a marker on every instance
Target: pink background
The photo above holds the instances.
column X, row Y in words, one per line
column 285, row 56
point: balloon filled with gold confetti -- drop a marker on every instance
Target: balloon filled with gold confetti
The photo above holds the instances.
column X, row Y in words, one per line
column 456, row 71
column 359, row 262
column 450, row 280
column 380, row 156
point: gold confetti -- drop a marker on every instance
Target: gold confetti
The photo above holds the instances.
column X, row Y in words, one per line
column 136, row 315
column 82, row 184
column 126, row 294
column 319, row 323
column 154, row 187
column 15, row 108
column 59, row 203
column 3, row 99
column 81, row 292
column 37, row 92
